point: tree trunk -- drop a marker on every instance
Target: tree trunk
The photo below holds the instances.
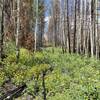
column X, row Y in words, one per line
column 2, row 33
column 75, row 20
column 36, row 25
column 18, row 31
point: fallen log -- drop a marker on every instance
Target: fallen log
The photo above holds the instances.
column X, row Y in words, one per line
column 14, row 93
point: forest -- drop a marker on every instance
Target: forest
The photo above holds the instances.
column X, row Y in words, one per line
column 49, row 50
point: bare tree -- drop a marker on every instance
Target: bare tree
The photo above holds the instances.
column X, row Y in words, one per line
column 17, row 31
column 2, row 32
column 36, row 24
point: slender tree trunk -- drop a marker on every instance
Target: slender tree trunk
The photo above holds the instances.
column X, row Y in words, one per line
column 92, row 30
column 84, row 30
column 2, row 33
column 75, row 19
column 96, row 30
column 64, row 26
column 36, row 25
column 13, row 18
column 18, row 31
column 68, row 27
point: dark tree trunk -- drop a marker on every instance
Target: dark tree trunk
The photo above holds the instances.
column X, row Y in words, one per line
column 74, row 41
column 68, row 27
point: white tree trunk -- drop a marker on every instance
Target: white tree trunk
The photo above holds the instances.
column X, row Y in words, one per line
column 36, row 26
column 17, row 31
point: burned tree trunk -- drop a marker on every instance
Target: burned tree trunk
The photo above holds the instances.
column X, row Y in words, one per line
column 2, row 34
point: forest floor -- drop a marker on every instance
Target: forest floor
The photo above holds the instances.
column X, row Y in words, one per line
column 66, row 76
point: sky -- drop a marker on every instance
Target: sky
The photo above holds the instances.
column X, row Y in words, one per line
column 47, row 2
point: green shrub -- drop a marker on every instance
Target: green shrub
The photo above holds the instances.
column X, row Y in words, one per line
column 68, row 76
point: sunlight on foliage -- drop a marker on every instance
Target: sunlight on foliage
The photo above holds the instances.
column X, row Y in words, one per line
column 67, row 76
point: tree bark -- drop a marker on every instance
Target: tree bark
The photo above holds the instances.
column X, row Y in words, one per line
column 17, row 31
column 2, row 33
